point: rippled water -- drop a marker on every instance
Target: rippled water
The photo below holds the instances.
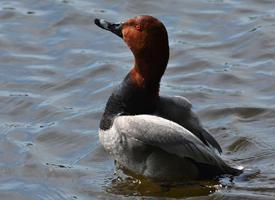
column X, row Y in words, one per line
column 58, row 69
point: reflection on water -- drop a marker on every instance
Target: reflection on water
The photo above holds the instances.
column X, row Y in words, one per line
column 121, row 184
column 58, row 69
column 135, row 187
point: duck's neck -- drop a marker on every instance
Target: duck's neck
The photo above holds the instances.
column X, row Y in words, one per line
column 141, row 83
column 145, row 82
column 139, row 91
column 147, row 72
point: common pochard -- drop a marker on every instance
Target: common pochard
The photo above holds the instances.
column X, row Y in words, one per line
column 159, row 137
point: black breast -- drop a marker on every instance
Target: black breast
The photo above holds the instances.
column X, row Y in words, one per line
column 128, row 99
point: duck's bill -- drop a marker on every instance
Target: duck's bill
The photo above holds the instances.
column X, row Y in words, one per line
column 115, row 28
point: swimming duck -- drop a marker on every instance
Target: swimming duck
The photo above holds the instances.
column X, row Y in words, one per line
column 155, row 136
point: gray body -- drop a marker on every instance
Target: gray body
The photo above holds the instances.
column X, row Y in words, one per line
column 161, row 149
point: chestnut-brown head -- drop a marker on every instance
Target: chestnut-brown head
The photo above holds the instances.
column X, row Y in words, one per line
column 147, row 38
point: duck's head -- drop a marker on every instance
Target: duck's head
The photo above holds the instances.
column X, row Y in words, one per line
column 147, row 38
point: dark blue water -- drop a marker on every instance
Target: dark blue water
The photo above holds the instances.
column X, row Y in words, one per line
column 57, row 70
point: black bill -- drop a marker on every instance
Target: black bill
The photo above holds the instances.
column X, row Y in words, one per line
column 116, row 28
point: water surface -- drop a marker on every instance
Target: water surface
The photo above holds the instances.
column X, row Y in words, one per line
column 58, row 69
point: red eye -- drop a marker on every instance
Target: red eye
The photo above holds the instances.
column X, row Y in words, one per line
column 138, row 27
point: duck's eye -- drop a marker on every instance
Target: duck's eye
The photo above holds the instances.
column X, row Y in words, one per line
column 138, row 27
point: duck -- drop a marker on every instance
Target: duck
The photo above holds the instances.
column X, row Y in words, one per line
column 153, row 135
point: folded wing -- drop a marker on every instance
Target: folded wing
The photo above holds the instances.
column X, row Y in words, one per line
column 179, row 109
column 168, row 136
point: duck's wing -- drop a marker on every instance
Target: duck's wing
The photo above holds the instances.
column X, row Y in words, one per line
column 168, row 136
column 179, row 109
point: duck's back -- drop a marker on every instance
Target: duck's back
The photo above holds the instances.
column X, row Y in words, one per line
column 178, row 109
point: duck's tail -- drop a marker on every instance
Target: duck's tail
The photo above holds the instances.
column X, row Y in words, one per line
column 233, row 171
column 210, row 171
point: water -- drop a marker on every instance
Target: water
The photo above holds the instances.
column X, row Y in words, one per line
column 58, row 69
